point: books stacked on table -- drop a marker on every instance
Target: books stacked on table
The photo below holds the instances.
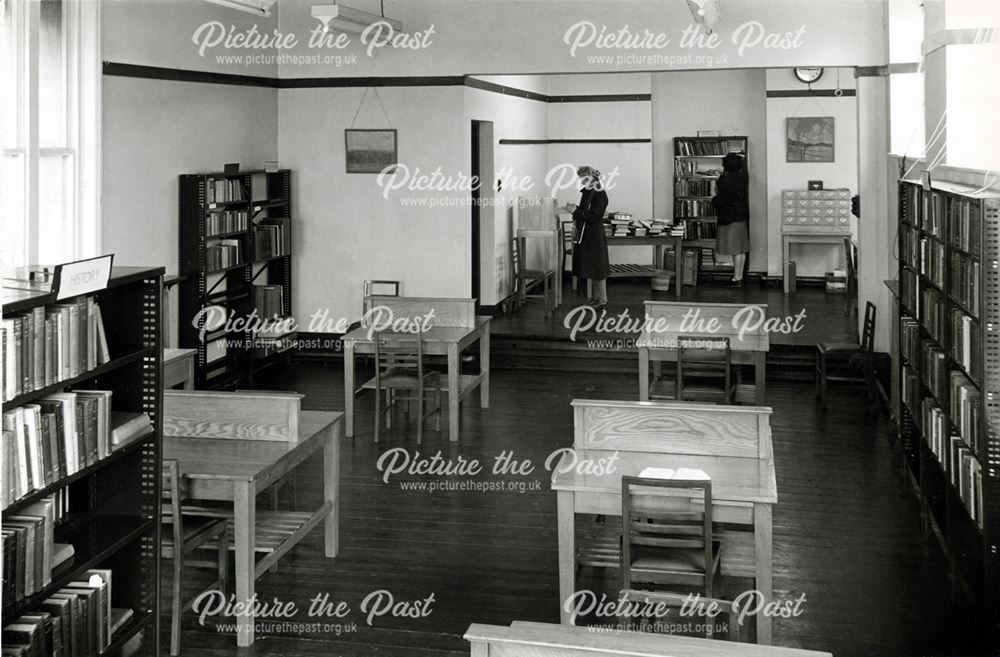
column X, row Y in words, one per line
column 50, row 344
column 620, row 223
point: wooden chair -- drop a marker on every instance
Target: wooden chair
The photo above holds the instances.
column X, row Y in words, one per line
column 526, row 277
column 187, row 533
column 379, row 289
column 705, row 357
column 667, row 534
column 865, row 353
column 399, row 366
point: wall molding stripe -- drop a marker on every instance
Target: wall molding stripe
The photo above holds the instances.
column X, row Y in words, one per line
column 806, row 93
column 209, row 77
column 533, row 142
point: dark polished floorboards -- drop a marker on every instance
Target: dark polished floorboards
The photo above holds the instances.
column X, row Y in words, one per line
column 846, row 530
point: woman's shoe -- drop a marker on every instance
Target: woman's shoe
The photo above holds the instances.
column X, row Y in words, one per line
column 598, row 304
column 734, row 284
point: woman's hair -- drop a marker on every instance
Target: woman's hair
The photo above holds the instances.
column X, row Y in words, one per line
column 590, row 175
column 732, row 162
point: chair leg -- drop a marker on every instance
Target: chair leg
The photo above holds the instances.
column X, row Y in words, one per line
column 224, row 562
column 420, row 414
column 437, row 404
column 175, row 604
column 822, row 380
column 378, row 412
column 390, row 407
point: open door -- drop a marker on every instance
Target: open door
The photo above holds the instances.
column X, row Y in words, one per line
column 483, row 210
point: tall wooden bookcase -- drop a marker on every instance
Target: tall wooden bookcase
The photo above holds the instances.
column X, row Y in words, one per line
column 697, row 167
column 113, row 505
column 229, row 211
column 949, row 333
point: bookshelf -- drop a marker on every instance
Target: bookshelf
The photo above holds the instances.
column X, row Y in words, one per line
column 949, row 359
column 697, row 167
column 235, row 255
column 92, row 485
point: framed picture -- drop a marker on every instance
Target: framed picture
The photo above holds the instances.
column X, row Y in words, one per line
column 369, row 151
column 809, row 139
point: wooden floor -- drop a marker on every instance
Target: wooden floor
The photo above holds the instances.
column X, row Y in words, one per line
column 824, row 320
column 846, row 531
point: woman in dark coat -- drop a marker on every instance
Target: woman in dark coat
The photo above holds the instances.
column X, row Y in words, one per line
column 732, row 208
column 591, row 248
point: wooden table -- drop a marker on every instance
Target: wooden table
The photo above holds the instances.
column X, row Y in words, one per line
column 658, row 242
column 750, row 348
column 178, row 368
column 447, row 341
column 238, row 470
column 731, row 444
column 787, row 239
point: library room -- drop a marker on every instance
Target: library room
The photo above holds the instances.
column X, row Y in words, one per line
column 660, row 328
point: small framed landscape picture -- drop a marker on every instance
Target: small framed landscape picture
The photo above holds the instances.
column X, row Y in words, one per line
column 370, row 151
column 809, row 139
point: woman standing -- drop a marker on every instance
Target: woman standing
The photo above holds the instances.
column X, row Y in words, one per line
column 591, row 249
column 732, row 207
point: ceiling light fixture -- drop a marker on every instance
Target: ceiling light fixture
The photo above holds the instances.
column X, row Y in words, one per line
column 256, row 7
column 352, row 21
column 705, row 12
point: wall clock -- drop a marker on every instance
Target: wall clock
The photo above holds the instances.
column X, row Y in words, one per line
column 808, row 75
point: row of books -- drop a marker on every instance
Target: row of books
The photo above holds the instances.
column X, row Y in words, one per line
column 271, row 238
column 965, row 403
column 909, row 246
column 690, row 147
column 910, row 339
column 269, row 300
column 912, row 199
column 30, row 552
column 964, row 225
column 688, row 208
column 227, row 221
column 223, row 255
column 911, row 392
column 60, row 435
column 696, row 168
column 965, row 346
column 700, row 230
column 932, row 260
column 935, row 370
column 933, row 216
column 689, row 187
column 957, row 459
column 963, row 282
column 225, row 190
column 932, row 313
column 50, row 344
column 76, row 621
column 909, row 290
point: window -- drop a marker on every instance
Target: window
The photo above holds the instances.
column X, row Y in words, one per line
column 49, row 131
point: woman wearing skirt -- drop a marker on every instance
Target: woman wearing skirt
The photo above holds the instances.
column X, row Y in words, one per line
column 590, row 253
column 732, row 208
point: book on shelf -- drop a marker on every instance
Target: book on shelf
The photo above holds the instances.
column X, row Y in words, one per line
column 223, row 255
column 695, row 187
column 128, row 426
column 965, row 225
column 932, row 260
column 700, row 230
column 964, row 405
column 28, row 544
column 963, row 285
column 226, row 221
column 224, row 190
column 693, row 208
column 965, row 343
column 703, row 146
column 271, row 238
column 49, row 344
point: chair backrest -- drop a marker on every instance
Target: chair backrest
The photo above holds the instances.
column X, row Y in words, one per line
column 695, row 349
column 672, row 428
column 396, row 352
column 868, row 329
column 269, row 416
column 172, row 497
column 375, row 289
column 743, row 324
column 665, row 514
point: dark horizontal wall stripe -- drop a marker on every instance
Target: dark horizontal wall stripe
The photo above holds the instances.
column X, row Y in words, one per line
column 805, row 93
column 601, row 98
column 421, row 81
column 476, row 83
column 181, row 75
column 529, row 142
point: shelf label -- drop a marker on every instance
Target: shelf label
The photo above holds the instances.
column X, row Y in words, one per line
column 81, row 277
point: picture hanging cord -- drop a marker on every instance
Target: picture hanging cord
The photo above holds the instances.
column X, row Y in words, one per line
column 360, row 104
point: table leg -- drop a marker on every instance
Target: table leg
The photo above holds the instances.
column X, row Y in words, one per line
column 243, row 524
column 678, row 266
column 764, row 554
column 331, row 490
column 567, row 553
column 760, row 377
column 349, row 390
column 453, row 391
column 484, row 368
column 785, row 252
column 643, row 374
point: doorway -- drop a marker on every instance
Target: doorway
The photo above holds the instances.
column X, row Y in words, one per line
column 481, row 247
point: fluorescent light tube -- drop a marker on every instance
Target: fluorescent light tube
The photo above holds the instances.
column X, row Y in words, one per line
column 256, row 7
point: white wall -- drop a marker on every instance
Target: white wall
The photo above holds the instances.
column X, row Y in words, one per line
column 810, row 259
column 733, row 102
column 346, row 231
